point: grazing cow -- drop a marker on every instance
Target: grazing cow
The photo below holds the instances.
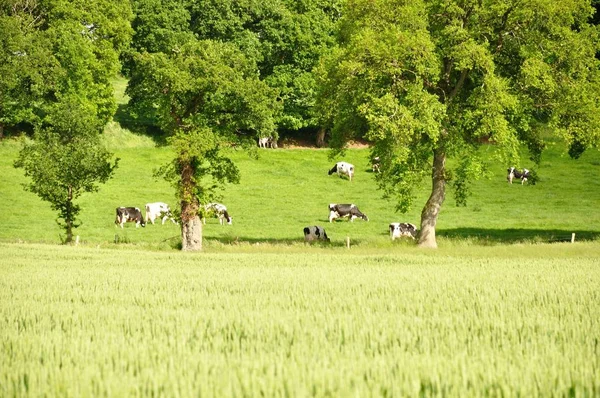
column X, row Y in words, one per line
column 514, row 173
column 315, row 233
column 400, row 229
column 345, row 210
column 219, row 211
column 343, row 168
column 375, row 164
column 267, row 142
column 129, row 214
column 158, row 210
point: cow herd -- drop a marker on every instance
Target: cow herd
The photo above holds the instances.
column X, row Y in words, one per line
column 351, row 211
column 162, row 211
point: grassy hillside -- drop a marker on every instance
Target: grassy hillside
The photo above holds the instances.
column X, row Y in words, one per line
column 457, row 322
column 287, row 189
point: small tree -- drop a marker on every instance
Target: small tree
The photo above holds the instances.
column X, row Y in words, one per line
column 66, row 159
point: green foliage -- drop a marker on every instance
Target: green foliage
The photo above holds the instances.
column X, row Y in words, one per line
column 284, row 39
column 212, row 170
column 56, row 49
column 65, row 160
column 159, row 26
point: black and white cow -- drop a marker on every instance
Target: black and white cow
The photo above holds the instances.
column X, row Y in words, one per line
column 343, row 169
column 345, row 210
column 267, row 142
column 129, row 214
column 158, row 210
column 315, row 232
column 375, row 164
column 400, row 229
column 218, row 210
column 514, row 173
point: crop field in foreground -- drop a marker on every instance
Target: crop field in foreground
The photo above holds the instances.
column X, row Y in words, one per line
column 522, row 320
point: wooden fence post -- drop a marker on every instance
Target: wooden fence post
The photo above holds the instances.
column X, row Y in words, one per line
column 573, row 237
column 348, row 242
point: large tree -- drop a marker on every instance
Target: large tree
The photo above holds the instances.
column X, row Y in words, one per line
column 428, row 80
column 207, row 96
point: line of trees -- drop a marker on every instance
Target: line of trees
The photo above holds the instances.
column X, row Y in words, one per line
column 423, row 81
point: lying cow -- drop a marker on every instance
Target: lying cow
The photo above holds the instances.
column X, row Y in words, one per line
column 345, row 210
column 218, row 210
column 267, row 142
column 514, row 173
column 400, row 229
column 159, row 210
column 343, row 169
column 315, row 233
column 129, row 214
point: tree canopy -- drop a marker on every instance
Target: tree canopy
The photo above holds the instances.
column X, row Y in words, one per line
column 284, row 38
column 57, row 48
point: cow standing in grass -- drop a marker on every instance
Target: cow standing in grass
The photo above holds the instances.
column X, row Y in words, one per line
column 267, row 142
column 343, row 169
column 129, row 214
column 400, row 229
column 514, row 173
column 375, row 164
column 159, row 210
column 219, row 210
column 315, row 233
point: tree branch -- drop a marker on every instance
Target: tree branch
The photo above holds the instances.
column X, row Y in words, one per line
column 501, row 30
column 459, row 84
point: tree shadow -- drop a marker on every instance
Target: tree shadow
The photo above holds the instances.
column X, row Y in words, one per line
column 516, row 235
column 139, row 126
column 241, row 240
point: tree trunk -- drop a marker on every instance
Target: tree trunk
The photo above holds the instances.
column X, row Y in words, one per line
column 191, row 234
column 69, row 216
column 432, row 208
column 1, row 131
column 191, row 226
column 321, row 137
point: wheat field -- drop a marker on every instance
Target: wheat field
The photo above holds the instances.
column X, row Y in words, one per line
column 470, row 321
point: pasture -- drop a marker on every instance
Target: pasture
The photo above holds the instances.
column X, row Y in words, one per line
column 285, row 190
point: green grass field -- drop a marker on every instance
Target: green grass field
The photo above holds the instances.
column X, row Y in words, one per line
column 285, row 190
column 471, row 321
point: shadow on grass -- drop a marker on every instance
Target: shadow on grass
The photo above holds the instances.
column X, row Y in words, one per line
column 516, row 235
column 239, row 240
column 139, row 126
